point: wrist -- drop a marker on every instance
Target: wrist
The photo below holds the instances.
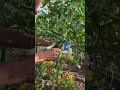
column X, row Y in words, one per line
column 39, row 57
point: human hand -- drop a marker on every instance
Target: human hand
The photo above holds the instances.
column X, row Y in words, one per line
column 50, row 54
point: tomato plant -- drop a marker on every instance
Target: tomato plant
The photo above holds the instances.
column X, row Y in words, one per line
column 60, row 21
column 52, row 70
column 65, row 21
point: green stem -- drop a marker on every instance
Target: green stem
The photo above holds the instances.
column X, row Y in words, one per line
column 58, row 69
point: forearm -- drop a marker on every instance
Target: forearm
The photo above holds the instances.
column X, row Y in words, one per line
column 37, row 3
column 16, row 39
column 20, row 40
column 41, row 42
column 39, row 57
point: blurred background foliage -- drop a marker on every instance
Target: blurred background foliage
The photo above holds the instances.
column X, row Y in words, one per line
column 60, row 21
column 103, row 37
column 17, row 15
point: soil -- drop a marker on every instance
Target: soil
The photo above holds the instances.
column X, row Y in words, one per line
column 79, row 74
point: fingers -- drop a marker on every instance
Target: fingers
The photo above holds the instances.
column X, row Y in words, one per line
column 55, row 51
column 51, row 54
column 40, row 60
column 51, row 58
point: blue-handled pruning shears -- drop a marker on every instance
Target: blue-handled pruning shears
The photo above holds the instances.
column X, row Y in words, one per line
column 67, row 45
